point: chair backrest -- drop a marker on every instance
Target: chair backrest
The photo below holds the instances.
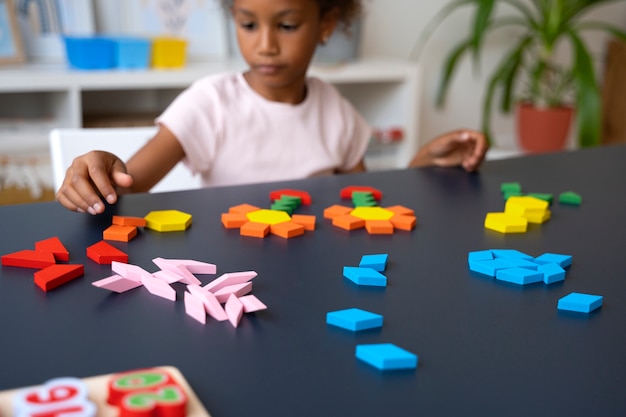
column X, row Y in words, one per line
column 67, row 144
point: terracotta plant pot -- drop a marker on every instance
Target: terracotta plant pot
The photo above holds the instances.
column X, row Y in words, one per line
column 543, row 130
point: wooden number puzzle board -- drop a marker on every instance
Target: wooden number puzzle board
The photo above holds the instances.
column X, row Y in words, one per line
column 97, row 386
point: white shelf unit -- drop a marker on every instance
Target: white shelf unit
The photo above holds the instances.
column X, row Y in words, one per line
column 37, row 97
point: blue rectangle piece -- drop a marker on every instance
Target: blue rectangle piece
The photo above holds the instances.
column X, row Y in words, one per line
column 377, row 262
column 579, row 302
column 364, row 276
column 521, row 276
column 386, row 356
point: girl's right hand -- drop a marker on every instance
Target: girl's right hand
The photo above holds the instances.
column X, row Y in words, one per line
column 91, row 178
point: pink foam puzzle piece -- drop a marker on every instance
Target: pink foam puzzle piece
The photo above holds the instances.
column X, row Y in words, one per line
column 173, row 266
column 238, row 289
column 195, row 267
column 234, row 310
column 231, row 278
column 251, row 304
column 194, row 307
column 129, row 271
column 168, row 276
column 117, row 283
column 158, row 287
column 211, row 305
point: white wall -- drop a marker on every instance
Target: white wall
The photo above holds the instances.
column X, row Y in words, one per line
column 392, row 26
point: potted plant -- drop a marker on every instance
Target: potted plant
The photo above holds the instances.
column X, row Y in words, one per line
column 530, row 64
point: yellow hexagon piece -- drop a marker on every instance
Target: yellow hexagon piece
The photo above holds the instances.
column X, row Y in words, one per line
column 168, row 220
column 372, row 213
column 270, row 217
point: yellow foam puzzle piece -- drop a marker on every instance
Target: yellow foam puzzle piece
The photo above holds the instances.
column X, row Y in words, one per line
column 168, row 220
column 521, row 205
column 270, row 217
column 372, row 213
column 506, row 223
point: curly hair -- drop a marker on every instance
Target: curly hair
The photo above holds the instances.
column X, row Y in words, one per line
column 348, row 10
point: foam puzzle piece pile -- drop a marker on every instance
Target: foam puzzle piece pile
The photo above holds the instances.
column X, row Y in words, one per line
column 383, row 356
column 524, row 208
column 279, row 220
column 516, row 267
column 367, row 213
column 45, row 258
column 231, row 289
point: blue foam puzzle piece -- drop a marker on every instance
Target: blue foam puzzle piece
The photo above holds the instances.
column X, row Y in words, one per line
column 488, row 267
column 520, row 263
column 547, row 258
column 510, row 253
column 364, row 276
column 354, row 319
column 552, row 273
column 579, row 302
column 377, row 262
column 480, row 255
column 386, row 356
column 521, row 276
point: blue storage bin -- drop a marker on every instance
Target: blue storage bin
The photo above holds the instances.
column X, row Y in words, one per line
column 90, row 52
column 132, row 53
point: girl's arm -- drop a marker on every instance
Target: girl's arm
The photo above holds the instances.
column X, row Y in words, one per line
column 100, row 175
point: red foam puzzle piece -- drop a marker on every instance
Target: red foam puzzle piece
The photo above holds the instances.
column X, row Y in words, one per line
column 105, row 253
column 54, row 246
column 29, row 259
column 57, row 275
column 346, row 193
column 306, row 197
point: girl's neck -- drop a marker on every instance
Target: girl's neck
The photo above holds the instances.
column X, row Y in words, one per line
column 290, row 94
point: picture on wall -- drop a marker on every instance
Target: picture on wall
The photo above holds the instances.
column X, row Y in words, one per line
column 43, row 24
column 11, row 51
column 201, row 22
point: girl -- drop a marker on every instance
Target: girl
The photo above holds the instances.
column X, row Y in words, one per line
column 270, row 123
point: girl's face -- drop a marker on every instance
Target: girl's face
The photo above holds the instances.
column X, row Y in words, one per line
column 277, row 38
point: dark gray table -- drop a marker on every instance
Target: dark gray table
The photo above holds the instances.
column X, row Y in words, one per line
column 485, row 348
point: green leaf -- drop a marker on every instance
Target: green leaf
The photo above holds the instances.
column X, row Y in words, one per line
column 449, row 69
column 588, row 103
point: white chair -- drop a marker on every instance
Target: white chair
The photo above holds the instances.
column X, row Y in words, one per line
column 67, row 144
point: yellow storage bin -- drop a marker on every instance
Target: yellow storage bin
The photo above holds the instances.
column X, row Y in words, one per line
column 169, row 52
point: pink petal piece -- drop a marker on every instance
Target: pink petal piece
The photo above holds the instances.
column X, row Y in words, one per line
column 251, row 304
column 158, row 287
column 194, row 307
column 167, row 276
column 211, row 305
column 129, row 271
column 117, row 283
column 172, row 266
column 230, row 279
column 234, row 310
column 238, row 289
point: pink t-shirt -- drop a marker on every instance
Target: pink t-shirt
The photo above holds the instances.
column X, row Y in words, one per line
column 232, row 135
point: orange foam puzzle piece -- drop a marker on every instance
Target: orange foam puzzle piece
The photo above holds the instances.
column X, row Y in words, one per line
column 305, row 220
column 54, row 246
column 254, row 229
column 29, row 259
column 379, row 227
column 403, row 222
column 304, row 196
column 398, row 209
column 348, row 222
column 57, row 275
column 243, row 208
column 287, row 229
column 119, row 233
column 129, row 221
column 105, row 253
column 234, row 220
column 346, row 193
column 336, row 211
